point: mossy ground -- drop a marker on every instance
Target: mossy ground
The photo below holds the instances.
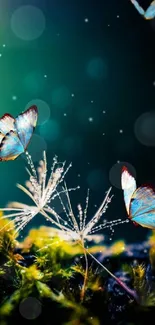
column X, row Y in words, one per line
column 41, row 280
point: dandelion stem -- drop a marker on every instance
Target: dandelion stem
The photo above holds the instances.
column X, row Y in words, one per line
column 86, row 273
column 131, row 292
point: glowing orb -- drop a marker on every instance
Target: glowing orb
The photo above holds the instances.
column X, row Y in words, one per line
column 145, row 129
column 34, row 82
column 97, row 68
column 28, row 22
column 61, row 97
column 30, row 308
column 43, row 110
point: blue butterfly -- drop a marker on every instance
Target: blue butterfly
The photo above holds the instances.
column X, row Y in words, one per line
column 139, row 202
column 149, row 13
column 16, row 133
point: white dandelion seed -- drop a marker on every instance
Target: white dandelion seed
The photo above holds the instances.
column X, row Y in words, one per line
column 42, row 190
column 77, row 228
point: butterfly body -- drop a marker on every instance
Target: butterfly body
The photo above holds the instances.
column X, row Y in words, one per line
column 16, row 133
column 139, row 202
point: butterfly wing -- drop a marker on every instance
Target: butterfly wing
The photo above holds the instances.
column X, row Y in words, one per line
column 147, row 220
column 150, row 12
column 25, row 124
column 142, row 207
column 10, row 147
column 138, row 7
column 7, row 123
column 1, row 136
column 128, row 186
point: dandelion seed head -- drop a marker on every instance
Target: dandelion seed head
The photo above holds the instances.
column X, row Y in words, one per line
column 43, row 189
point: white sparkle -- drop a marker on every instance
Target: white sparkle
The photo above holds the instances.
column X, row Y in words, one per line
column 45, row 75
column 0, row 54
column 92, row 101
column 72, row 95
column 65, row 114
column 103, row 133
column 109, row 25
column 121, row 131
column 4, row 45
column 117, row 16
column 14, row 97
column 104, row 112
column 86, row 20
column 90, row 119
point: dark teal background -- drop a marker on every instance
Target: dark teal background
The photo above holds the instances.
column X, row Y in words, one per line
column 108, row 63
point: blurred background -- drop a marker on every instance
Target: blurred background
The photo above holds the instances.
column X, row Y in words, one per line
column 90, row 69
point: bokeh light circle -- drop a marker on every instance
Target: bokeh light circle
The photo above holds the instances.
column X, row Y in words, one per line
column 116, row 172
column 97, row 68
column 50, row 130
column 72, row 146
column 144, row 129
column 96, row 179
column 30, row 308
column 43, row 110
column 34, row 82
column 28, row 22
column 61, row 97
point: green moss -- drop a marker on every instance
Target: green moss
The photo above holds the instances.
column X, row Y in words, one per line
column 54, row 275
